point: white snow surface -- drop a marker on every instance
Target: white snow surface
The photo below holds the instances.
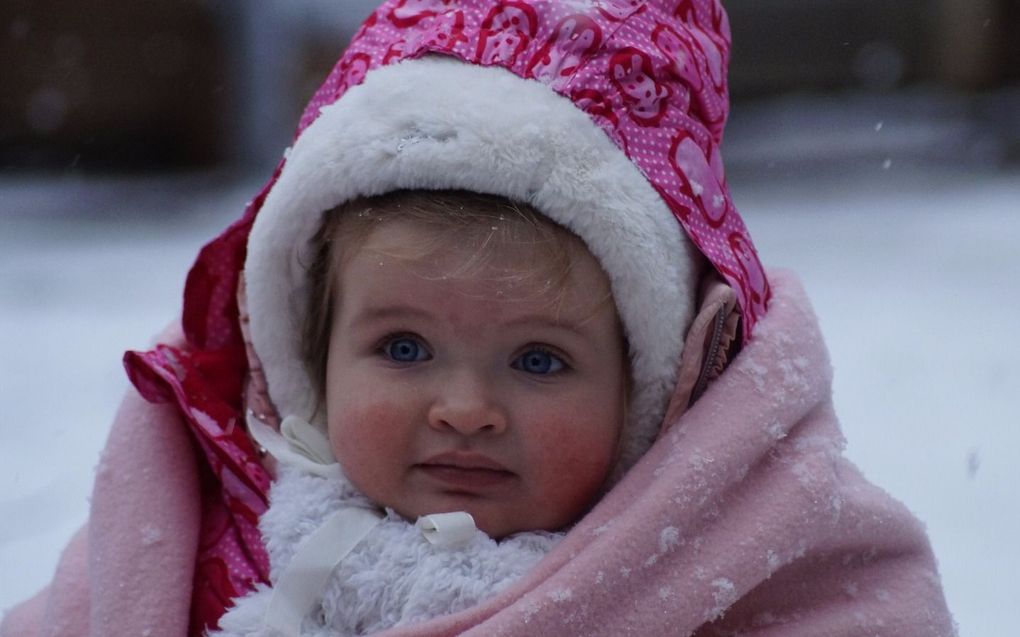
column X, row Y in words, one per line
column 914, row 273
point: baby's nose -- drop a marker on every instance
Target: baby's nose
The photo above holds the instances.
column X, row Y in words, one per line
column 467, row 406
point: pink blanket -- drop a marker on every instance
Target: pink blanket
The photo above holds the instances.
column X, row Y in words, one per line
column 129, row 570
column 743, row 519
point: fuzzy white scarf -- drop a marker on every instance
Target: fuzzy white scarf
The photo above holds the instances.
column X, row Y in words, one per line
column 393, row 577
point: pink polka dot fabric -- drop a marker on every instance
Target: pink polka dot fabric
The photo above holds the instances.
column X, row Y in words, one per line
column 651, row 74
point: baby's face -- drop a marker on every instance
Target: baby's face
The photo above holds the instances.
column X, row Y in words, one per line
column 457, row 393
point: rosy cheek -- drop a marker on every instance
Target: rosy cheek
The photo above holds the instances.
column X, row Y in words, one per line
column 569, row 479
column 362, row 432
column 584, row 451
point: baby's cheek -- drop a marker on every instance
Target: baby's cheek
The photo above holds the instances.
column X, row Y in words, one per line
column 580, row 453
column 572, row 473
column 366, row 437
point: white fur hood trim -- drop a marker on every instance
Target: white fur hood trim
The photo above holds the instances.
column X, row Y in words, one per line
column 393, row 577
column 439, row 123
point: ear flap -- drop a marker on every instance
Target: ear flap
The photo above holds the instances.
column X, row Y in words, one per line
column 256, row 390
column 710, row 344
column 257, row 403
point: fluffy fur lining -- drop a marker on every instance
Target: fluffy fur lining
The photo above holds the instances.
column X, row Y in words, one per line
column 438, row 123
column 394, row 577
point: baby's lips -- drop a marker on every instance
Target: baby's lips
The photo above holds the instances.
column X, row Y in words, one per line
column 468, row 460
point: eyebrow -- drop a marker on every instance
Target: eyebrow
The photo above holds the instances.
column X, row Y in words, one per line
column 547, row 322
column 372, row 314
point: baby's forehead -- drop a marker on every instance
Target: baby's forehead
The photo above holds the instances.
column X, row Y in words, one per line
column 479, row 246
column 482, row 246
column 481, row 261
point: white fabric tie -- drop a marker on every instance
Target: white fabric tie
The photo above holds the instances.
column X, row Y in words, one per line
column 298, row 444
column 302, row 583
column 447, row 530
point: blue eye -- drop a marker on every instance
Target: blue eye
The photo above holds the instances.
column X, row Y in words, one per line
column 405, row 349
column 539, row 361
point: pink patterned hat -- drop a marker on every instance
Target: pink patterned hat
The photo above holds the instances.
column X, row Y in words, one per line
column 651, row 73
column 606, row 115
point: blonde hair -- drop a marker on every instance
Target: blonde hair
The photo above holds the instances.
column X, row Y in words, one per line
column 485, row 227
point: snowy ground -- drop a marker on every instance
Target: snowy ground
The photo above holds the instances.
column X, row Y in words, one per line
column 915, row 275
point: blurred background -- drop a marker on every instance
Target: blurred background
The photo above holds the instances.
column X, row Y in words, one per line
column 873, row 146
column 129, row 86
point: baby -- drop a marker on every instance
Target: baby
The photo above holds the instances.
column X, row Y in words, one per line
column 511, row 365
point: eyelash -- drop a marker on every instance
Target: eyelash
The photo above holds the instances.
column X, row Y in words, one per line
column 382, row 349
column 564, row 364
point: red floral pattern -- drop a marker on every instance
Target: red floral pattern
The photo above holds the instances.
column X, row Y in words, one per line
column 574, row 39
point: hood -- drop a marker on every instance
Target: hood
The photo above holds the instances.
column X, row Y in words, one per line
column 651, row 74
